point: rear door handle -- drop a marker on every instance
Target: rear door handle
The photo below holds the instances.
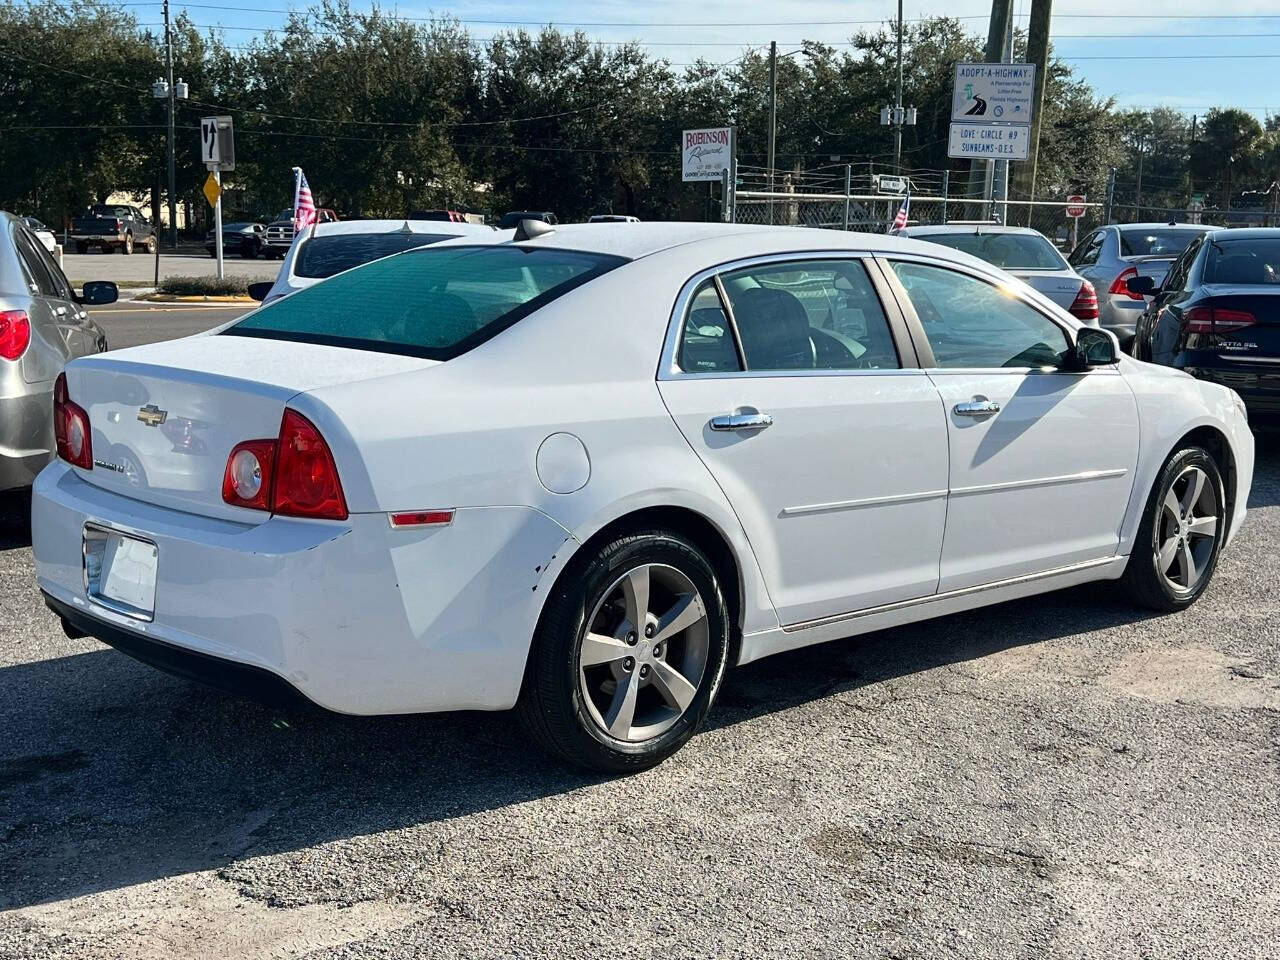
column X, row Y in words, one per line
column 977, row 407
column 741, row 421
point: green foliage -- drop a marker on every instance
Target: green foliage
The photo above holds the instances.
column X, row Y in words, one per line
column 204, row 286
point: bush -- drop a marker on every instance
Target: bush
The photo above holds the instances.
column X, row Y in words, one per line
column 204, row 286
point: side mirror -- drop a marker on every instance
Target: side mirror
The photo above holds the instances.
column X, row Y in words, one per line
column 1143, row 286
column 258, row 291
column 99, row 292
column 1093, row 348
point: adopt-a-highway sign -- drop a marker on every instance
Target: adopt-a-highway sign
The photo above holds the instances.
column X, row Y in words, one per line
column 993, row 93
column 989, row 141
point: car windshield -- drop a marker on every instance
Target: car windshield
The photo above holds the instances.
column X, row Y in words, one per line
column 1009, row 251
column 324, row 256
column 436, row 303
column 1246, row 261
column 107, row 210
column 1155, row 243
column 283, row 215
column 33, row 223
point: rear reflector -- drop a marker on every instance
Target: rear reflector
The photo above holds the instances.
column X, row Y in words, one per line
column 1217, row 320
column 71, row 428
column 1120, row 286
column 1085, row 305
column 422, row 518
column 15, row 333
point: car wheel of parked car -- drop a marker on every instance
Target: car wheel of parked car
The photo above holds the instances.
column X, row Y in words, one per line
column 127, row 247
column 81, row 247
column 249, row 251
column 1176, row 550
column 629, row 653
column 151, row 245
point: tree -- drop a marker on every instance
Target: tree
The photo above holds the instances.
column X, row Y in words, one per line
column 1226, row 150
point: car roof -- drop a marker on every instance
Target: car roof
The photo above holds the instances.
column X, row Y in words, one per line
column 928, row 229
column 1244, row 233
column 341, row 227
column 1198, row 227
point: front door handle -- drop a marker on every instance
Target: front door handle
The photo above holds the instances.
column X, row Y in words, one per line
column 977, row 407
column 741, row 421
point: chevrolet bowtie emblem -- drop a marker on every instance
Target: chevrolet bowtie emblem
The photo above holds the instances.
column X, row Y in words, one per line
column 152, row 415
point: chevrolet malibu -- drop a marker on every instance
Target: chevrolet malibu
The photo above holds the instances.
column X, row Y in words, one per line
column 582, row 470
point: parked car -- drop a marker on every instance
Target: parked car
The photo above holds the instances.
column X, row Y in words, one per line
column 113, row 226
column 1109, row 256
column 326, row 251
column 43, row 234
column 245, row 239
column 43, row 324
column 1025, row 253
column 279, row 236
column 1216, row 316
column 612, row 218
column 584, row 472
column 512, row 220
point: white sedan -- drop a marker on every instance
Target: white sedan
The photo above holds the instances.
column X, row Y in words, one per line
column 584, row 470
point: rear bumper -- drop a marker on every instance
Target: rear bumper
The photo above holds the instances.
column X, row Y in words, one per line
column 26, row 435
column 1257, row 383
column 355, row 616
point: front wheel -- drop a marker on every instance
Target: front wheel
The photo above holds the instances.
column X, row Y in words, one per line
column 629, row 655
column 1180, row 536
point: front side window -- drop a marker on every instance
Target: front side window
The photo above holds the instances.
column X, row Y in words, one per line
column 810, row 315
column 436, row 303
column 324, row 256
column 974, row 324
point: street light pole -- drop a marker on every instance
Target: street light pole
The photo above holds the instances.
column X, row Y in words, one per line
column 168, row 64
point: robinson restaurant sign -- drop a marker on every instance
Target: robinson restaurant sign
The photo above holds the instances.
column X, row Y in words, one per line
column 707, row 152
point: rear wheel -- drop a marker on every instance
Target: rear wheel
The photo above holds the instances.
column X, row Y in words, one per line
column 629, row 655
column 151, row 245
column 127, row 247
column 1176, row 550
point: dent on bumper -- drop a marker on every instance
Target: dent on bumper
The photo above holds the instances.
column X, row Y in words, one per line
column 358, row 617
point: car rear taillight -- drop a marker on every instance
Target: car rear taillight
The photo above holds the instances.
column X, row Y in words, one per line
column 1217, row 320
column 1120, row 285
column 119, row 226
column 293, row 475
column 71, row 427
column 15, row 333
column 1085, row 305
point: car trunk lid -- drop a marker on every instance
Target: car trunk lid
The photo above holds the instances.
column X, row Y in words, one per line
column 1058, row 285
column 165, row 417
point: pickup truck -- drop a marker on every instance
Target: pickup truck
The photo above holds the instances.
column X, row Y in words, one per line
column 279, row 237
column 111, row 226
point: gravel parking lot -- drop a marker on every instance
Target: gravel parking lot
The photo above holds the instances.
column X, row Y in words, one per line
column 1065, row 776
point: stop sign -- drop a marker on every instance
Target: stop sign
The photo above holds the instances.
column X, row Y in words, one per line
column 1075, row 205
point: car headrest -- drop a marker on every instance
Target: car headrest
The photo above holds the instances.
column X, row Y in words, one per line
column 774, row 329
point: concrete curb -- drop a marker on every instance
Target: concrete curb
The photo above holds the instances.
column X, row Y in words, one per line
column 173, row 298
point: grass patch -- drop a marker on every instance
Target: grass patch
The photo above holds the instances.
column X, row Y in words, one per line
column 204, row 286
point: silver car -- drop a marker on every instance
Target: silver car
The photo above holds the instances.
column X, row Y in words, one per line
column 1023, row 252
column 43, row 325
column 1110, row 255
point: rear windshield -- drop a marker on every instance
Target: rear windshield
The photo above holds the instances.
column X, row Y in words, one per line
column 436, row 302
column 1249, row 262
column 324, row 256
column 1155, row 243
column 1009, row 251
column 104, row 210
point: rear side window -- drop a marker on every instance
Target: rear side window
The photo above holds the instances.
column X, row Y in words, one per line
column 1155, row 243
column 1088, row 251
column 1009, row 251
column 1251, row 262
column 706, row 344
column 436, row 303
column 324, row 256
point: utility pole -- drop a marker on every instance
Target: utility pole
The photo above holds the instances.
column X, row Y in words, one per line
column 1000, row 177
column 168, row 65
column 980, row 174
column 773, row 115
column 1141, row 152
column 1037, row 53
column 897, row 127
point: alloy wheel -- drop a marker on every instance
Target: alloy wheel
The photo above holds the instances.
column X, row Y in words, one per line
column 643, row 653
column 1186, row 530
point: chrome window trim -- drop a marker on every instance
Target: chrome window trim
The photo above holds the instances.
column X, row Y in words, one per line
column 669, row 369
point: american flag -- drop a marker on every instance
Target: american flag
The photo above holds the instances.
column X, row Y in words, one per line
column 900, row 221
column 304, row 207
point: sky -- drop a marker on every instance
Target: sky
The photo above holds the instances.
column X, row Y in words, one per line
column 1191, row 55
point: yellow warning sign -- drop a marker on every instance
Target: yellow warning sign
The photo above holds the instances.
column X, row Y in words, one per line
column 212, row 190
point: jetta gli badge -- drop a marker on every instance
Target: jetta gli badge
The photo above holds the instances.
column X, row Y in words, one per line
column 152, row 415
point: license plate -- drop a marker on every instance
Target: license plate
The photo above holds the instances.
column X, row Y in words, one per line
column 120, row 571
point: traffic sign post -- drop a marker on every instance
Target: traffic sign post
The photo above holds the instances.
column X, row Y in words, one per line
column 218, row 151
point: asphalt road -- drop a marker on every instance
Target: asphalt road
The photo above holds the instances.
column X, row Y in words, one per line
column 130, row 323
column 1064, row 776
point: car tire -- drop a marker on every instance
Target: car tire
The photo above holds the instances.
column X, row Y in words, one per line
column 1180, row 537
column 669, row 680
column 81, row 247
column 248, row 252
column 151, row 245
column 127, row 246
